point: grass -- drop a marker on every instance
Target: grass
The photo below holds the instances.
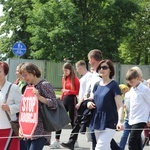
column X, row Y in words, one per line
column 57, row 92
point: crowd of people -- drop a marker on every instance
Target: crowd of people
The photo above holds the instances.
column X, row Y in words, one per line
column 108, row 105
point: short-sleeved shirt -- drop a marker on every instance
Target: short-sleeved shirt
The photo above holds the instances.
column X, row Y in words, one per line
column 105, row 114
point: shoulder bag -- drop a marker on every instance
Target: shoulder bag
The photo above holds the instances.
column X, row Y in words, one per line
column 54, row 119
column 14, row 124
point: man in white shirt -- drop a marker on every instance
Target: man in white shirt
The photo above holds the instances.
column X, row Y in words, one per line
column 84, row 80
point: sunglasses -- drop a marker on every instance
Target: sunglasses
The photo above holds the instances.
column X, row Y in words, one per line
column 103, row 67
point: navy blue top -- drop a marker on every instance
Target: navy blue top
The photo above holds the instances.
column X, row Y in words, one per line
column 105, row 114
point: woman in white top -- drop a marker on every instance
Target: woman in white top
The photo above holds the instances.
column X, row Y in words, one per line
column 12, row 106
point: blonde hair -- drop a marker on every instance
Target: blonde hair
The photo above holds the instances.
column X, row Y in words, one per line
column 124, row 88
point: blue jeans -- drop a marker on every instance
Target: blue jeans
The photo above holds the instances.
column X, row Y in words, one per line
column 125, row 135
column 36, row 144
column 23, row 144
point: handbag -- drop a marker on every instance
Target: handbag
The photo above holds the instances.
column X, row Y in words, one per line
column 14, row 124
column 54, row 119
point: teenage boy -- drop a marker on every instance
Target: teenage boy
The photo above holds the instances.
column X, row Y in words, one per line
column 139, row 108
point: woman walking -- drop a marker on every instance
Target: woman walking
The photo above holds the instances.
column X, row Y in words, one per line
column 11, row 105
column 70, row 89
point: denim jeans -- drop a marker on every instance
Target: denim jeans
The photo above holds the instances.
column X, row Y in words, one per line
column 36, row 144
column 125, row 134
column 23, row 144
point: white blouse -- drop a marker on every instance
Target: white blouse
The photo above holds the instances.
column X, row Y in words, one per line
column 13, row 101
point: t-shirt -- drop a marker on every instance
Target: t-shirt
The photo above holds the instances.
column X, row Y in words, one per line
column 105, row 114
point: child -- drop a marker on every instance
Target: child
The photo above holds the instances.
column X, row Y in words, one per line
column 139, row 108
column 127, row 127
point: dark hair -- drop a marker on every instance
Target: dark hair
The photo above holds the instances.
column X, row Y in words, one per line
column 132, row 74
column 30, row 68
column 96, row 54
column 72, row 75
column 110, row 65
column 5, row 67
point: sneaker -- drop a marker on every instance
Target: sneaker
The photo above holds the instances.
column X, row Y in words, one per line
column 76, row 145
column 55, row 145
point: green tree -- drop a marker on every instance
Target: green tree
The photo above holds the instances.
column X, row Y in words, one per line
column 54, row 29
column 135, row 48
column 62, row 29
column 13, row 25
column 58, row 29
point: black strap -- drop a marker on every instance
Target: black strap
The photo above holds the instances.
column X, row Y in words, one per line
column 6, row 101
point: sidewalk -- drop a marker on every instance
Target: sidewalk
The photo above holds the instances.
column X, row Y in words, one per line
column 83, row 144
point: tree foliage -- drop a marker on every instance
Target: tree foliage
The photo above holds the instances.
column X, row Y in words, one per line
column 135, row 48
column 59, row 29
column 13, row 25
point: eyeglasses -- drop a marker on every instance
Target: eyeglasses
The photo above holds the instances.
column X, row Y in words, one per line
column 103, row 67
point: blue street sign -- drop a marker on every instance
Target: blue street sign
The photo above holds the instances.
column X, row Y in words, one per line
column 19, row 49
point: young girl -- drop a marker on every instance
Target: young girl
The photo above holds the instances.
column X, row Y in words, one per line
column 70, row 89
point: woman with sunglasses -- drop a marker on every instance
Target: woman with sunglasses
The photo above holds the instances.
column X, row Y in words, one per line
column 107, row 100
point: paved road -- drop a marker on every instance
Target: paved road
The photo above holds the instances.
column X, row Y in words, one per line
column 84, row 145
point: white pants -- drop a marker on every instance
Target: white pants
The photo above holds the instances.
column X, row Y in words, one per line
column 103, row 138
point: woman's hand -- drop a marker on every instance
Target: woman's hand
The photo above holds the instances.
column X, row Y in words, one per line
column 78, row 105
column 5, row 107
column 64, row 90
column 40, row 98
column 148, row 124
column 36, row 92
column 120, row 126
column 20, row 133
column 90, row 105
